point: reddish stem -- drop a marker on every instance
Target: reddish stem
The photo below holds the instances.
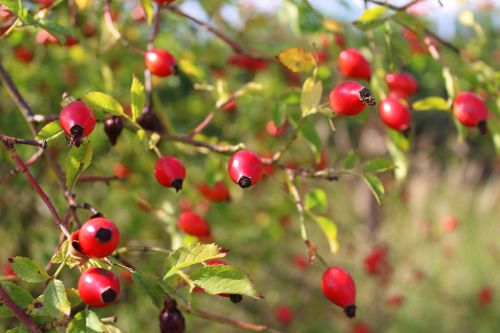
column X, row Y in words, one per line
column 18, row 312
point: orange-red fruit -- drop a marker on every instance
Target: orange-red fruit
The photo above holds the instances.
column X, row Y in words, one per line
column 350, row 98
column 401, row 83
column 376, row 261
column 284, row 314
column 193, row 224
column 470, row 109
column 23, row 54
column 272, row 130
column 170, row 172
column 77, row 119
column 164, row 2
column 245, row 168
column 160, row 62
column 98, row 237
column 395, row 114
column 120, row 170
column 361, row 328
column 484, row 295
column 354, row 65
column 44, row 37
column 449, row 223
column 217, row 193
column 98, row 287
column 248, row 63
column 301, row 261
column 338, row 286
column 395, row 300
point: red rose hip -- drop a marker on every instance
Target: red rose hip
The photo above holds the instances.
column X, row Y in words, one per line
column 245, row 168
column 98, row 237
column 470, row 110
column 350, row 98
column 338, row 286
column 395, row 114
column 160, row 62
column 402, row 83
column 170, row 172
column 218, row 193
column 353, row 64
column 98, row 287
column 77, row 120
column 193, row 224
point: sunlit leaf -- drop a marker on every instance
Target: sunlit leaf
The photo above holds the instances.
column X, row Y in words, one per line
column 104, row 102
column 329, row 228
column 371, row 18
column 29, row 270
column 297, row 60
column 434, row 103
column 77, row 161
column 191, row 255
column 311, row 96
column 375, row 186
column 50, row 131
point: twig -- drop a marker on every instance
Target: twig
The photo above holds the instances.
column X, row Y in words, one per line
column 140, row 248
column 279, row 154
column 35, row 157
column 203, row 124
column 18, row 312
column 41, row 144
column 227, row 321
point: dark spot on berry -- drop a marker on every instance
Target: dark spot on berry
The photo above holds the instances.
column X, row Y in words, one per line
column 245, row 182
column 103, row 235
column 366, row 97
column 350, row 311
column 109, row 295
column 235, row 298
column 483, row 127
column 177, row 184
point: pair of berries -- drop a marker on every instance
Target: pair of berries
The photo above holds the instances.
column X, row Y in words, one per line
column 160, row 62
column 338, row 286
column 77, row 120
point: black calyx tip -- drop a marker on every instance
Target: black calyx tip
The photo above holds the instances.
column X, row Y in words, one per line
column 109, row 295
column 483, row 127
column 96, row 214
column 406, row 132
column 76, row 245
column 235, row 298
column 245, row 182
column 103, row 235
column 175, row 70
column 350, row 311
column 177, row 184
column 365, row 95
column 76, row 135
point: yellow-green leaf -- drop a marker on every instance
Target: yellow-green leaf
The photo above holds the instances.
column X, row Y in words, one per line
column 433, row 103
column 297, row 60
column 329, row 228
column 310, row 96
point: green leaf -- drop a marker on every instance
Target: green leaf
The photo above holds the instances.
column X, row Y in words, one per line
column 147, row 5
column 20, row 329
column 56, row 30
column 430, row 104
column 310, row 96
column 29, row 270
column 494, row 127
column 309, row 20
column 308, row 131
column 401, row 161
column 224, row 279
column 152, row 286
column 378, row 165
column 13, row 5
column 137, row 97
column 85, row 321
column 351, row 160
column 450, row 83
column 375, row 186
column 189, row 255
column 329, row 228
column 104, row 102
column 316, row 200
column 54, row 300
column 401, row 142
column 77, row 161
column 371, row 18
column 19, row 295
column 410, row 22
column 279, row 113
column 50, row 131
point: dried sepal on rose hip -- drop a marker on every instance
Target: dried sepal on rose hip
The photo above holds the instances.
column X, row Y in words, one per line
column 77, row 120
column 98, row 237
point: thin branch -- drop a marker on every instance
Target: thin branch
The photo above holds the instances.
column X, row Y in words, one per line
column 279, row 154
column 41, row 144
column 35, row 157
column 227, row 321
column 203, row 124
column 18, row 312
column 141, row 248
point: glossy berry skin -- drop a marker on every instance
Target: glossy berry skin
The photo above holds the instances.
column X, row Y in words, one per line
column 245, row 168
column 171, row 319
column 193, row 224
column 98, row 287
column 338, row 286
column 350, row 98
column 354, row 65
column 98, row 237
column 402, row 83
column 170, row 172
column 470, row 109
column 77, row 120
column 395, row 114
column 164, row 2
column 248, row 63
column 160, row 62
column 284, row 314
column 217, row 193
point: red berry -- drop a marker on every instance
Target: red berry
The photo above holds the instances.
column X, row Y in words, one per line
column 350, row 98
column 338, row 286
column 77, row 120
column 218, row 193
column 230, row 106
column 160, row 62
column 170, row 172
column 353, row 64
column 401, row 83
column 23, row 54
column 361, row 328
column 193, row 224
column 470, row 110
column 45, row 3
column 395, row 114
column 339, row 39
column 98, row 287
column 376, row 261
column 484, row 295
column 164, row 2
column 449, row 224
column 300, row 261
column 395, row 300
column 284, row 314
column 245, row 168
column 321, row 56
column 272, row 130
column 120, row 170
column 8, row 271
column 248, row 63
column 44, row 37
column 98, row 237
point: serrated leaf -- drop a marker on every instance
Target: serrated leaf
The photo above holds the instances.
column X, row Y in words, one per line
column 297, row 60
column 434, row 103
column 308, row 131
column 375, row 186
column 85, row 321
column 329, row 228
column 56, row 30
column 378, row 165
column 316, row 200
column 189, row 255
column 137, row 97
column 50, row 131
column 147, row 5
column 151, row 285
column 310, row 96
column 77, row 161
column 351, row 160
column 54, row 300
column 224, row 279
column 19, row 295
column 29, row 270
column 104, row 102
column 371, row 18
